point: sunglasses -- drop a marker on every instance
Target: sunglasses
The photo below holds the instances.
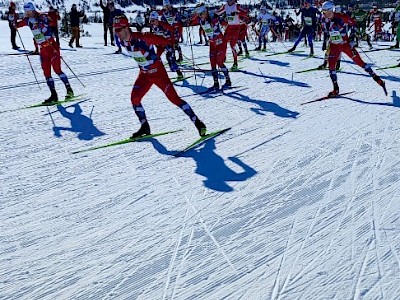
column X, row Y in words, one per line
column 118, row 29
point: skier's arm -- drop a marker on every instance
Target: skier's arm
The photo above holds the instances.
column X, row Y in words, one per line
column 21, row 23
column 151, row 38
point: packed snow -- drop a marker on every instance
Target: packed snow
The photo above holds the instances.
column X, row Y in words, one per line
column 294, row 202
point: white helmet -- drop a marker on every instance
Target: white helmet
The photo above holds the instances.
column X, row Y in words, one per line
column 153, row 15
column 328, row 6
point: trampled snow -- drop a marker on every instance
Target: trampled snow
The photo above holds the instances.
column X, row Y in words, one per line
column 294, row 202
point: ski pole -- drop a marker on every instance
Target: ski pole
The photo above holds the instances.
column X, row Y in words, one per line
column 191, row 49
column 54, row 49
column 33, row 71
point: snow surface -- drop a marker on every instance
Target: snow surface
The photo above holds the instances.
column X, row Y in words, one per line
column 294, row 202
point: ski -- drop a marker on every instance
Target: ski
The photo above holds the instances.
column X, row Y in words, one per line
column 310, row 70
column 316, row 69
column 66, row 100
column 212, row 90
column 389, row 67
column 202, row 140
column 284, row 52
column 176, row 79
column 127, row 140
column 377, row 49
column 327, row 97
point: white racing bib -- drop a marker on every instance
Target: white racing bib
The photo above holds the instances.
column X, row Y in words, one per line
column 336, row 37
column 208, row 30
column 38, row 36
column 308, row 21
column 140, row 58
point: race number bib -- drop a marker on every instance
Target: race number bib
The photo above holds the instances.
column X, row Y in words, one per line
column 170, row 20
column 308, row 21
column 140, row 59
column 336, row 37
column 208, row 30
column 38, row 36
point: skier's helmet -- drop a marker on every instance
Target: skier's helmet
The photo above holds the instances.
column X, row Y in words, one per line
column 153, row 15
column 120, row 22
column 28, row 6
column 328, row 6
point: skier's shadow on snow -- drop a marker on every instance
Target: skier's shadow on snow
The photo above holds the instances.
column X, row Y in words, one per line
column 396, row 101
column 217, row 174
column 272, row 62
column 80, row 124
column 277, row 79
column 265, row 106
column 212, row 166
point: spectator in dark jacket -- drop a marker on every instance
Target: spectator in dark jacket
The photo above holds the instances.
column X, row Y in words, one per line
column 106, row 19
column 74, row 16
column 12, row 18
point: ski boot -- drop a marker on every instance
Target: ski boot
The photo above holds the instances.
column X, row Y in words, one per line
column 322, row 67
column 70, row 93
column 395, row 46
column 53, row 98
column 247, row 54
column 335, row 91
column 291, row 49
column 383, row 85
column 264, row 49
column 240, row 52
column 118, row 51
column 258, row 48
column 180, row 75
column 200, row 127
column 234, row 67
column 227, row 84
column 143, row 131
column 215, row 87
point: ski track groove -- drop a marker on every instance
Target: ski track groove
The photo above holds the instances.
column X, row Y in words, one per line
column 174, row 254
column 275, row 287
column 185, row 256
column 339, row 223
column 356, row 287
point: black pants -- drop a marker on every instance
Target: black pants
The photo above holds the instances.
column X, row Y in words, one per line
column 106, row 28
column 13, row 36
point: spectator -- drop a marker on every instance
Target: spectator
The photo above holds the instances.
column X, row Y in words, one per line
column 12, row 18
column 106, row 25
column 139, row 20
column 74, row 16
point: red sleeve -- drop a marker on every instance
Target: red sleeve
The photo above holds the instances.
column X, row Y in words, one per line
column 167, row 26
column 22, row 23
column 221, row 10
column 348, row 20
column 194, row 21
column 150, row 38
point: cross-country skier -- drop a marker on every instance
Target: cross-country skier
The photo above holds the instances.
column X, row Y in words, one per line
column 339, row 42
column 232, row 12
column 265, row 20
column 167, row 31
column 152, row 71
column 49, row 49
column 309, row 21
column 212, row 27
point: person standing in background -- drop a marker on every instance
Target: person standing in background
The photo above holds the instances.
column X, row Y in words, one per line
column 12, row 18
column 106, row 26
column 139, row 20
column 74, row 16
column 54, row 16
